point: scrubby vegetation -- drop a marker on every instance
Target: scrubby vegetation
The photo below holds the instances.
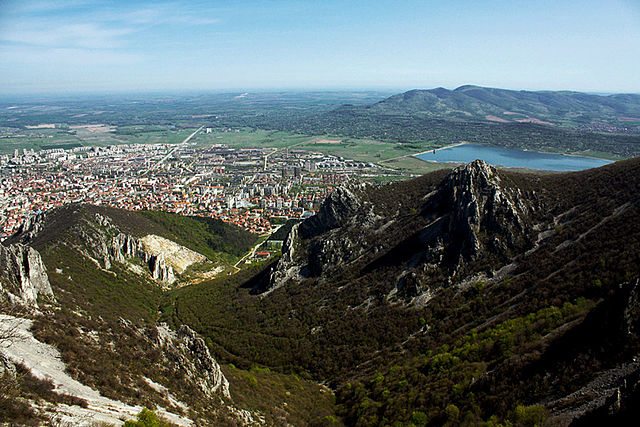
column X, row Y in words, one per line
column 443, row 378
column 104, row 324
column 493, row 349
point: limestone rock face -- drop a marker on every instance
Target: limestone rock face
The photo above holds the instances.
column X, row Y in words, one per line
column 31, row 226
column 189, row 351
column 124, row 246
column 287, row 267
column 176, row 256
column 327, row 248
column 160, row 270
column 475, row 213
column 24, row 276
column 473, row 218
column 337, row 210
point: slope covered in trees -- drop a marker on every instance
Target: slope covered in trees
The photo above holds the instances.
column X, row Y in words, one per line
column 410, row 327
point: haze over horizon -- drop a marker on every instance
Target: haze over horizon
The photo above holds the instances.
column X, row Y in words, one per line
column 76, row 46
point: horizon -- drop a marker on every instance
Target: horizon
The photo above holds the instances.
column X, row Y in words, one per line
column 84, row 47
column 387, row 91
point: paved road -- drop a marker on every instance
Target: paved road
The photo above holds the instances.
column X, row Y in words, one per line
column 170, row 153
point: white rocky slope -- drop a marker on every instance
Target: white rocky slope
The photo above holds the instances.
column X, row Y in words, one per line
column 44, row 363
column 175, row 255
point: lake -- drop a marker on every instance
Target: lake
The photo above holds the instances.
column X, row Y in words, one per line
column 512, row 158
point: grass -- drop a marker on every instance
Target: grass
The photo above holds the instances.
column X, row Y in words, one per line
column 366, row 150
column 358, row 149
column 250, row 138
column 61, row 138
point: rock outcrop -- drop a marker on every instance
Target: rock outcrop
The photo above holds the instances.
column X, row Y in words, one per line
column 24, row 276
column 473, row 214
column 159, row 268
column 319, row 245
column 176, row 256
column 473, row 217
column 338, row 209
column 189, row 351
column 287, row 267
column 124, row 246
column 31, row 226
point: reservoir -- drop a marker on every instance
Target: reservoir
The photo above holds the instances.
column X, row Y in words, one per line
column 511, row 158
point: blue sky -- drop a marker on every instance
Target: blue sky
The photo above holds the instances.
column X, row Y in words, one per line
column 115, row 46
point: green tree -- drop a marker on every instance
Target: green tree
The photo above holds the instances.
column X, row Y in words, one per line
column 147, row 418
column 529, row 416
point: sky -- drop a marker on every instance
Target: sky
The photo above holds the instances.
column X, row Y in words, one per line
column 69, row 46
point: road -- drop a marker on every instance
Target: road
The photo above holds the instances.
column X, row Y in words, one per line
column 170, row 153
column 252, row 251
column 421, row 152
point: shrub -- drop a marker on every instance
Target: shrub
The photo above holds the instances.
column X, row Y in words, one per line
column 529, row 416
column 148, row 418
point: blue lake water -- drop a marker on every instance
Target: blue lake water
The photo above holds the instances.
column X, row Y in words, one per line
column 512, row 158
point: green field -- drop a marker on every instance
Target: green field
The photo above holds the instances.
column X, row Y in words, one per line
column 250, row 138
column 387, row 154
column 63, row 138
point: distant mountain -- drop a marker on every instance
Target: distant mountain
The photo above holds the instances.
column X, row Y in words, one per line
column 510, row 106
column 562, row 121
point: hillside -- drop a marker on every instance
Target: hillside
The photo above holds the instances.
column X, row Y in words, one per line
column 562, row 121
column 421, row 301
column 469, row 102
column 467, row 296
column 80, row 337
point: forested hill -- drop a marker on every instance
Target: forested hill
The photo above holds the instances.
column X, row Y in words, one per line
column 563, row 121
column 505, row 106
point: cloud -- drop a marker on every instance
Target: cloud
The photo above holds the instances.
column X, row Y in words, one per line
column 43, row 6
column 71, row 57
column 72, row 24
column 81, row 35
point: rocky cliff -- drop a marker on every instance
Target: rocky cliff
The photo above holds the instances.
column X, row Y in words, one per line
column 124, row 247
column 96, row 353
column 473, row 221
column 24, row 277
column 187, row 349
column 475, row 213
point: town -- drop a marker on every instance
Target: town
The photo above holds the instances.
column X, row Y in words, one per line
column 254, row 188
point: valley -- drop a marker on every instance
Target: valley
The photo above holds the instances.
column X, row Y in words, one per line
column 411, row 302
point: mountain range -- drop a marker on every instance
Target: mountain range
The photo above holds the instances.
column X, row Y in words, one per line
column 552, row 121
column 468, row 296
column 510, row 106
